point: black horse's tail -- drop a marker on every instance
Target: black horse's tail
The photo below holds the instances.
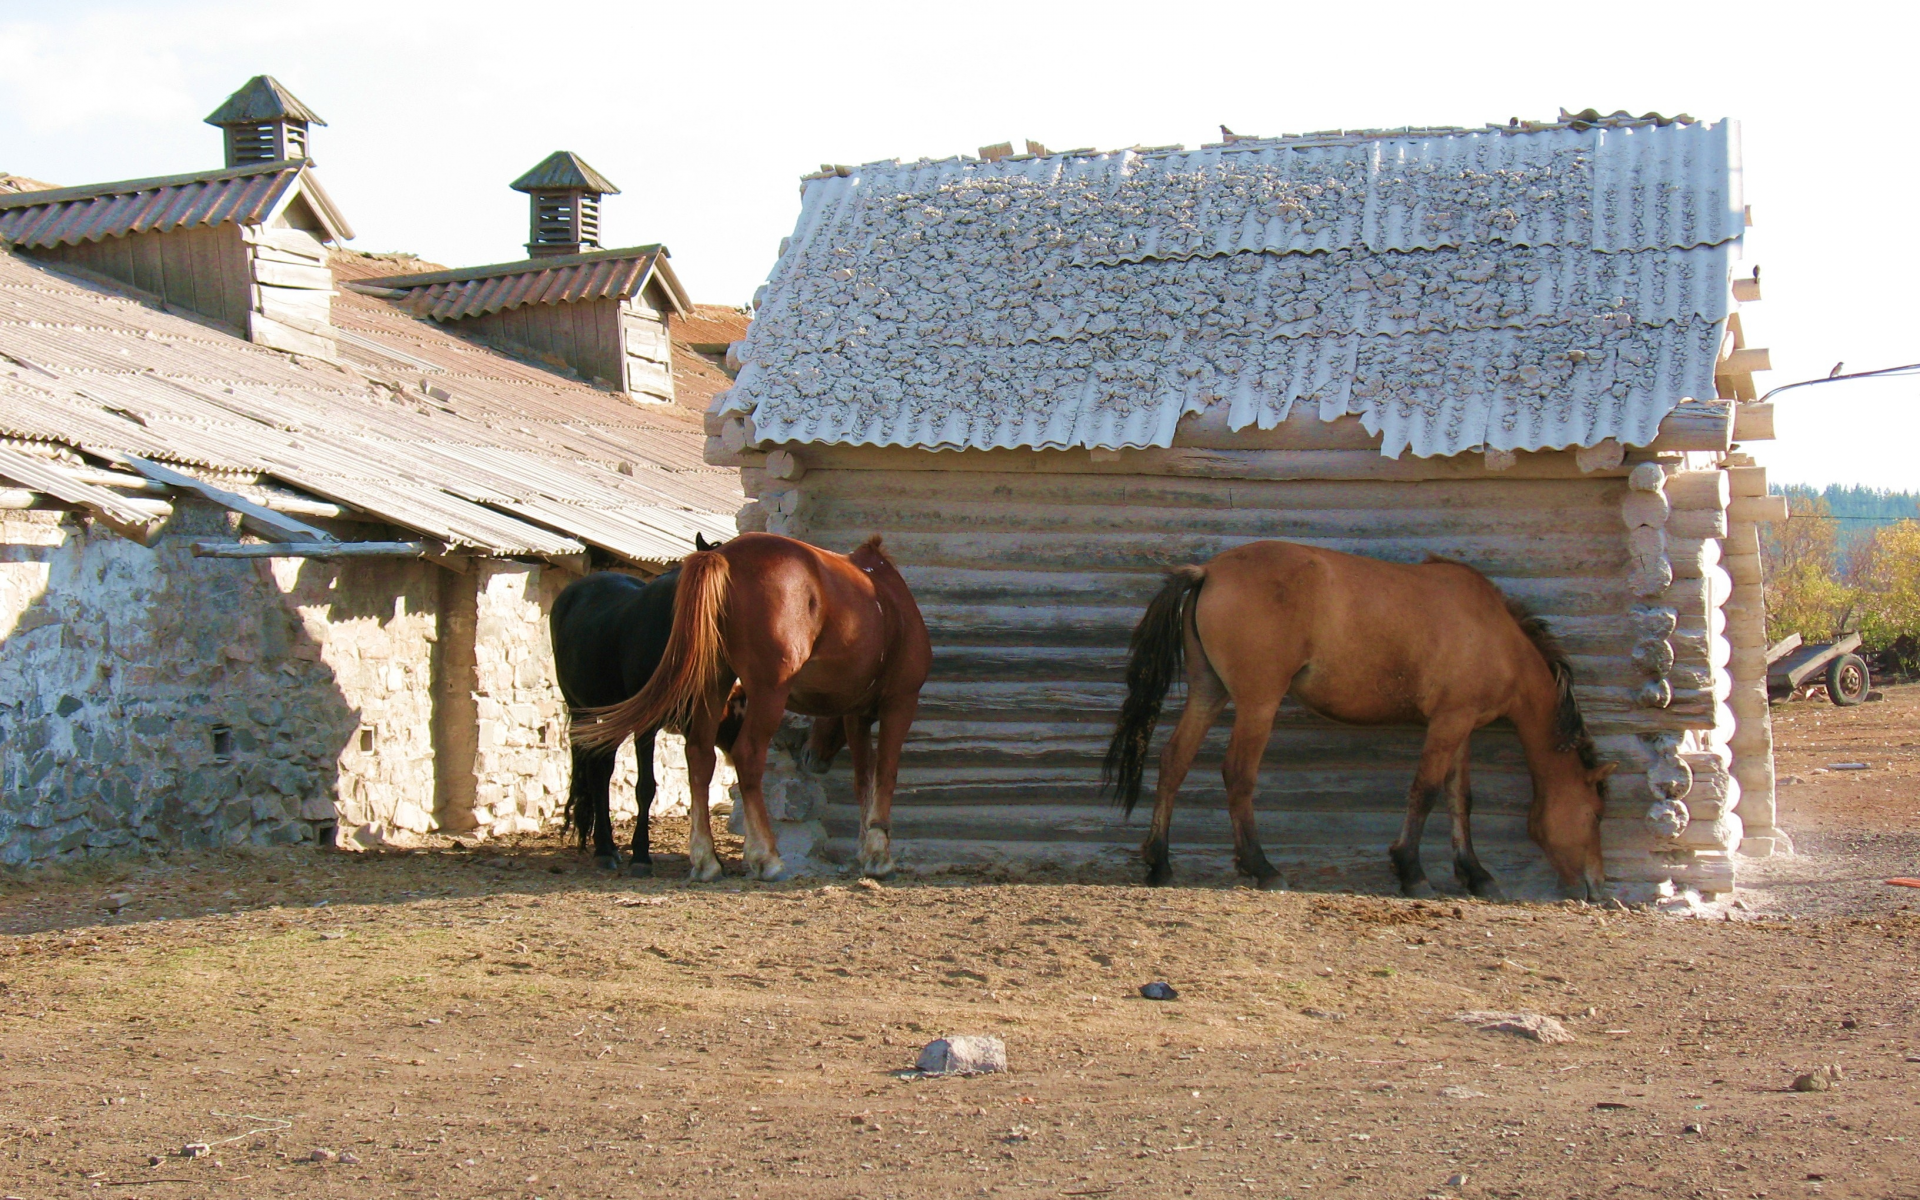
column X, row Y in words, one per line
column 577, row 812
column 1154, row 658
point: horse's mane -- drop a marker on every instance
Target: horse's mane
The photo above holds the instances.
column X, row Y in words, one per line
column 1569, row 726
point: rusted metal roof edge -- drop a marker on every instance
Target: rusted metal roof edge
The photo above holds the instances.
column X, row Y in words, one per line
column 128, row 187
column 525, row 266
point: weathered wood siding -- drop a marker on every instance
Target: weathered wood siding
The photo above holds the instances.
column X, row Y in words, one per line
column 649, row 351
column 291, row 292
column 203, row 269
column 1032, row 568
column 585, row 335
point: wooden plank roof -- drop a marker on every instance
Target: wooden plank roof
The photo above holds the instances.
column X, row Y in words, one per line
column 455, row 440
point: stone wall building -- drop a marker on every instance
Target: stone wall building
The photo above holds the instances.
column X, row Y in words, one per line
column 277, row 542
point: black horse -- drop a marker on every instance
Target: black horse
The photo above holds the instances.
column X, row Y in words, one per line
column 609, row 631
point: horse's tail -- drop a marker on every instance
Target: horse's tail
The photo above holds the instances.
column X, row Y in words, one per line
column 1154, row 658
column 578, row 814
column 689, row 670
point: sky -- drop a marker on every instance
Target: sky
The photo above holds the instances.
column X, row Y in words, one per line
column 707, row 115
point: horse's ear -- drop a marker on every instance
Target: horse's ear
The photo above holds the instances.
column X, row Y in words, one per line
column 700, row 541
column 1600, row 773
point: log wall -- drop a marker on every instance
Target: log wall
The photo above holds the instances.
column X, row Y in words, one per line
column 1032, row 568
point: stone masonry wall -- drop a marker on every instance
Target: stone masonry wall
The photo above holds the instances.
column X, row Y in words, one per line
column 520, row 758
column 152, row 699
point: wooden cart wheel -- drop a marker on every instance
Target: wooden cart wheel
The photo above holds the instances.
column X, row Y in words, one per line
column 1847, row 680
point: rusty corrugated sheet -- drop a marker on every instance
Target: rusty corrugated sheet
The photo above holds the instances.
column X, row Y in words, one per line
column 476, row 291
column 478, row 450
column 69, row 216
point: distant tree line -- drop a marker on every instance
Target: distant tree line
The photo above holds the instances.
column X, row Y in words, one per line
column 1848, row 560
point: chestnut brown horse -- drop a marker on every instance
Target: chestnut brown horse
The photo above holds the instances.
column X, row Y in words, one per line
column 831, row 636
column 1363, row 642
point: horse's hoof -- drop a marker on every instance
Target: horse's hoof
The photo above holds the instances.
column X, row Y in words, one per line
column 1489, row 890
column 1275, row 882
column 640, row 869
column 883, row 869
column 1417, row 889
column 1159, row 876
column 771, row 870
column 608, row 862
column 705, row 872
column 1587, row 893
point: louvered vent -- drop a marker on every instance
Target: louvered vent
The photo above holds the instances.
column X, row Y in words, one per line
column 264, row 123
column 564, row 197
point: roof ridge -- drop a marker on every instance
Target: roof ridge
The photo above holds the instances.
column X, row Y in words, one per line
column 1577, row 122
column 522, row 266
column 126, row 187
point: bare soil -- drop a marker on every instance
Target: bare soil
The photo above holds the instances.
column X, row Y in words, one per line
column 509, row 1022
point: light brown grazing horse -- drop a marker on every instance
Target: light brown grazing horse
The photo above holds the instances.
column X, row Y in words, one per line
column 1366, row 643
column 833, row 636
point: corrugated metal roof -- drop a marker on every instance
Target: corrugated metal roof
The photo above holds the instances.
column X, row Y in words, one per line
column 565, row 279
column 1561, row 281
column 499, row 457
column 245, row 195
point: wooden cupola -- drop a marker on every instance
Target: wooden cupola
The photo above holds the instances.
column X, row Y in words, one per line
column 565, row 216
column 264, row 122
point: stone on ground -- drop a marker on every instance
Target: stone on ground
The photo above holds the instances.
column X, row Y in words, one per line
column 1535, row 1026
column 962, row 1056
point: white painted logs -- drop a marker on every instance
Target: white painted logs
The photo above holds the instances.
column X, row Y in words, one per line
column 782, row 464
column 1753, row 422
column 1603, row 455
column 1032, row 567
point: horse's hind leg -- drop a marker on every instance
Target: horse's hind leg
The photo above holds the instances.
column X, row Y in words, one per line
column 1206, row 700
column 643, row 792
column 764, row 711
column 1466, row 863
column 1252, row 726
column 593, row 816
column 876, row 823
column 702, row 863
column 858, row 732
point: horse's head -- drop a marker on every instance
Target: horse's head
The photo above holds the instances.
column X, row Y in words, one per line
column 1565, row 822
column 829, row 734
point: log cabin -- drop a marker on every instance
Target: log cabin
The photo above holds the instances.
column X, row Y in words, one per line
column 1047, row 377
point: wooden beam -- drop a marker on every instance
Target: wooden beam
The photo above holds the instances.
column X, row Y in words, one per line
column 262, row 520
column 1744, row 361
column 1757, row 508
column 1696, row 425
column 313, row 549
column 1753, row 422
column 122, row 514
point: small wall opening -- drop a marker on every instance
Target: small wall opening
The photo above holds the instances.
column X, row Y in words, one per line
column 367, row 739
column 222, row 739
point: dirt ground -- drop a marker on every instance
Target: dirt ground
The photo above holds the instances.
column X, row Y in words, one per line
column 507, row 1022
